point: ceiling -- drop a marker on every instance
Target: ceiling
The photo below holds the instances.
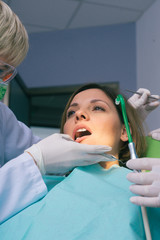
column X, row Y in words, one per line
column 50, row 15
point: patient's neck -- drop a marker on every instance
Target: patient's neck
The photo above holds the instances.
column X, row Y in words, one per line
column 108, row 164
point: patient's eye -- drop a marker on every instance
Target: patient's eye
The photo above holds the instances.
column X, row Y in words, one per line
column 98, row 108
column 70, row 113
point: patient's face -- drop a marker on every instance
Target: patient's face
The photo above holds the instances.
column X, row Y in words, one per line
column 93, row 119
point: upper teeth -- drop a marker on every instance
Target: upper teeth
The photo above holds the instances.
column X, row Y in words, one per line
column 81, row 130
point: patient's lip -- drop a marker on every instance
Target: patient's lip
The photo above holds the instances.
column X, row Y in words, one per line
column 80, row 128
column 78, row 140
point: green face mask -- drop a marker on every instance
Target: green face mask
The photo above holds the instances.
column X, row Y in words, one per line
column 3, row 89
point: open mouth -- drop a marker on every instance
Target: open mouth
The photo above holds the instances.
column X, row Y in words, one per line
column 81, row 133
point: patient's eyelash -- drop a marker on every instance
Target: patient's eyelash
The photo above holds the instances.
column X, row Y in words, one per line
column 98, row 108
column 70, row 113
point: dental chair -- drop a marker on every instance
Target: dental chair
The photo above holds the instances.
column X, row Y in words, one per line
column 153, row 148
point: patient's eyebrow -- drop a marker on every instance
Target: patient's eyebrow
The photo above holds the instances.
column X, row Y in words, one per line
column 100, row 100
column 92, row 101
column 74, row 105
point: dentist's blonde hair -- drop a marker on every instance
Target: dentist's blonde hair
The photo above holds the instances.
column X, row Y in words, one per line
column 13, row 37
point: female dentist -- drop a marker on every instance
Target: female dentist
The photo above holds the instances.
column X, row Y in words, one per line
column 146, row 184
column 21, row 183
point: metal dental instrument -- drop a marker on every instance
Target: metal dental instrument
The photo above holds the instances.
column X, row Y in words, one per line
column 133, row 155
column 150, row 97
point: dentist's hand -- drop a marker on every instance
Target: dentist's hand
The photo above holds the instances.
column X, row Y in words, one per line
column 142, row 103
column 155, row 134
column 58, row 154
column 147, row 184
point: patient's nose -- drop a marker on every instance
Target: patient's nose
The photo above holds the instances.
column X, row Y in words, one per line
column 81, row 115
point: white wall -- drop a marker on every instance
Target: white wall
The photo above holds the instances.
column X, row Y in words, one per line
column 148, row 56
column 43, row 132
column 79, row 56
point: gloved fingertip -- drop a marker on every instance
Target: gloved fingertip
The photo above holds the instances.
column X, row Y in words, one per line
column 133, row 200
column 154, row 104
column 128, row 176
column 129, row 164
column 155, row 136
column 131, row 188
column 144, row 90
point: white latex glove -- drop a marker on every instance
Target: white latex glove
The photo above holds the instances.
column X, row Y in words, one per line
column 147, row 184
column 155, row 134
column 142, row 103
column 58, row 154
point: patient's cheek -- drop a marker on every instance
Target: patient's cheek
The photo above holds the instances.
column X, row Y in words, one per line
column 65, row 130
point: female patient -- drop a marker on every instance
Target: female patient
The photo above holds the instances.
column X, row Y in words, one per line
column 92, row 202
column 91, row 117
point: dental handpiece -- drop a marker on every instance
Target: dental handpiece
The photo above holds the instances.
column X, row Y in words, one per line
column 133, row 155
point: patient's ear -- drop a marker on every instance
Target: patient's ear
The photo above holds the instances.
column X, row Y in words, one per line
column 124, row 136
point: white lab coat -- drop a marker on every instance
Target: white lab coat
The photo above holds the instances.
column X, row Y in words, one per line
column 21, row 183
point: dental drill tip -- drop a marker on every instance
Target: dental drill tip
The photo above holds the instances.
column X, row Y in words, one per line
column 117, row 102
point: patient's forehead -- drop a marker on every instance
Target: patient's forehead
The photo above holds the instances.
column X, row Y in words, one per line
column 90, row 94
